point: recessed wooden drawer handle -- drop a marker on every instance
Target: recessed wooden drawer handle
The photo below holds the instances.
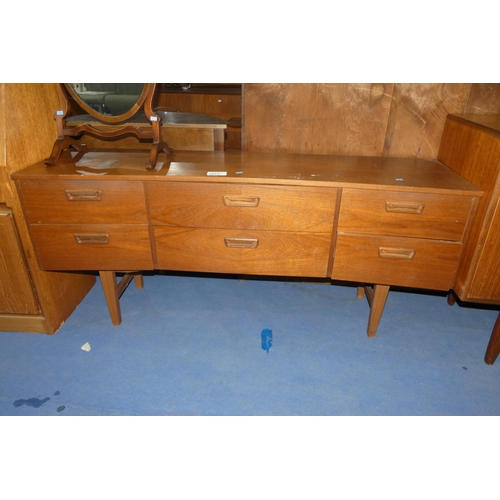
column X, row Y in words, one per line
column 241, row 201
column 396, row 253
column 404, row 208
column 84, row 195
column 241, row 242
column 92, row 239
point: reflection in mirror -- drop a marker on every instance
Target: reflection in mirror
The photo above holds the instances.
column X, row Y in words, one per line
column 112, row 99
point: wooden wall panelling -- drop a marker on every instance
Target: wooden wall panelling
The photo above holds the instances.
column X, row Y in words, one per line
column 417, row 117
column 2, row 141
column 279, row 117
column 484, row 99
column 2, row 137
column 2, row 127
column 29, row 133
column 401, row 120
column 351, row 119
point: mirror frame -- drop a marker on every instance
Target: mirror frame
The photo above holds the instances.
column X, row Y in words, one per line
column 68, row 137
column 109, row 118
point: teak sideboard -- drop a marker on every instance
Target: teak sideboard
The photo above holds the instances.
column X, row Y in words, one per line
column 377, row 222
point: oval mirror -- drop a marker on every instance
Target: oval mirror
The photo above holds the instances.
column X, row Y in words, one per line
column 109, row 102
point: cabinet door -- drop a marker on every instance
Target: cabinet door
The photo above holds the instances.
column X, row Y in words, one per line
column 16, row 291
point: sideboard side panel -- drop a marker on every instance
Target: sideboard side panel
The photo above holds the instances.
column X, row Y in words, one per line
column 28, row 139
column 473, row 152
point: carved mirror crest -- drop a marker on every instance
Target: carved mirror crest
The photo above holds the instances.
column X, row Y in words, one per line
column 106, row 103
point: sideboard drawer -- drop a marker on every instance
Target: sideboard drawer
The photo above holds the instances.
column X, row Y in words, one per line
column 397, row 261
column 242, row 251
column 211, row 205
column 106, row 247
column 84, row 201
column 419, row 215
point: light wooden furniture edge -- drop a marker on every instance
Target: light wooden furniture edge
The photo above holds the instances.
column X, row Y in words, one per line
column 471, row 147
column 28, row 132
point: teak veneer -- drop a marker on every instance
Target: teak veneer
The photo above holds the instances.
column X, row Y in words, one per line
column 378, row 222
column 471, row 147
column 31, row 300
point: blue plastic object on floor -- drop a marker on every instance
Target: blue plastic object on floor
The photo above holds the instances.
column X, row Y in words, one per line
column 267, row 339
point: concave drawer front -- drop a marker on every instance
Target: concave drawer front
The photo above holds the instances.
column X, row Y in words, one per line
column 106, row 247
column 67, row 202
column 242, row 252
column 418, row 215
column 285, row 208
column 396, row 261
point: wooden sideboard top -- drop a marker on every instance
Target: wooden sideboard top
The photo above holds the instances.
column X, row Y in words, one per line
column 398, row 174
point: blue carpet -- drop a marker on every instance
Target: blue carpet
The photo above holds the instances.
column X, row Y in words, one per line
column 218, row 346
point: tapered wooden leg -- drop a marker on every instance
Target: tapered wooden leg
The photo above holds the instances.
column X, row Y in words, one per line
column 113, row 290
column 139, row 281
column 110, row 288
column 377, row 297
column 360, row 292
column 493, row 348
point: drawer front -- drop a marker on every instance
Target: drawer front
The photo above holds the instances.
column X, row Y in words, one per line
column 103, row 247
column 281, row 208
column 410, row 262
column 242, row 252
column 418, row 215
column 85, row 202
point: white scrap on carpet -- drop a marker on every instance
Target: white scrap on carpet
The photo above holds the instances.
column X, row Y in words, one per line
column 86, row 347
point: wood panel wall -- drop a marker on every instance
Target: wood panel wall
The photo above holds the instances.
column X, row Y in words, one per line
column 374, row 119
column 2, row 137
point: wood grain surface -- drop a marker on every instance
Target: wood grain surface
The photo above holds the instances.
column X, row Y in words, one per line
column 27, row 119
column 17, row 295
column 472, row 150
column 389, row 119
